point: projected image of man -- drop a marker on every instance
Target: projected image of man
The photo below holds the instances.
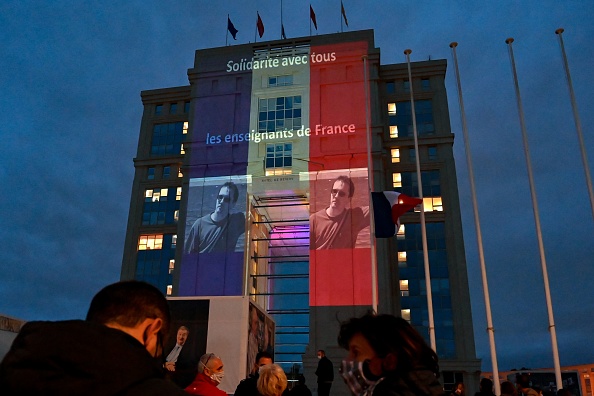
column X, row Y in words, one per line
column 337, row 226
column 219, row 230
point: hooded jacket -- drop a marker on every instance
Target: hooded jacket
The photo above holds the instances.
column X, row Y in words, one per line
column 80, row 358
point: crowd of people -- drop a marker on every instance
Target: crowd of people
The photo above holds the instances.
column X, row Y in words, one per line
column 119, row 350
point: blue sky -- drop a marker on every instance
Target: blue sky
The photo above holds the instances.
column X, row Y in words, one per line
column 71, row 75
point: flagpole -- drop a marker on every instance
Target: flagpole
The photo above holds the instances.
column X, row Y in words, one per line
column 227, row 35
column 282, row 27
column 341, row 16
column 420, row 193
column 479, row 236
column 576, row 118
column 310, row 19
column 370, row 189
column 543, row 262
column 256, row 30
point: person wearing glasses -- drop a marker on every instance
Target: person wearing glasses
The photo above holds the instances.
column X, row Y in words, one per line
column 113, row 352
column 210, row 375
column 337, row 226
column 219, row 230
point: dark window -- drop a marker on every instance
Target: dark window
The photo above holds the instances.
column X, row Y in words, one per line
column 173, row 108
column 277, row 114
column 425, row 84
column 166, row 172
column 167, row 139
column 152, row 265
column 403, row 118
column 186, row 107
column 150, row 173
column 432, row 153
column 390, row 87
column 158, row 109
column 161, row 206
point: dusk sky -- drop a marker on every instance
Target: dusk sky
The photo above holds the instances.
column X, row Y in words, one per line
column 71, row 73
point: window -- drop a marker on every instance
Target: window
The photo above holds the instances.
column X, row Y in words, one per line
column 173, row 108
column 425, row 84
column 390, row 87
column 158, row 209
column 150, row 242
column 432, row 153
column 402, row 118
column 280, row 81
column 431, row 204
column 179, row 169
column 178, row 194
column 169, row 289
column 150, row 175
column 185, row 128
column 171, row 265
column 400, row 232
column 279, row 158
column 166, row 172
column 395, row 154
column 396, row 179
column 402, row 257
column 167, row 138
column 158, row 109
column 392, row 108
column 431, row 189
column 277, row 114
column 412, row 155
column 393, row 131
column 404, row 287
column 406, row 86
column 405, row 313
column 186, row 107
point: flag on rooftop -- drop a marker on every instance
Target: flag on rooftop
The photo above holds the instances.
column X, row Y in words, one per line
column 312, row 15
column 231, row 28
column 388, row 206
column 260, row 26
column 346, row 22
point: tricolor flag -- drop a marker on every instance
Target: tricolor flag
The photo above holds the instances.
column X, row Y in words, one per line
column 346, row 22
column 231, row 28
column 388, row 206
column 283, row 35
column 312, row 15
column 260, row 26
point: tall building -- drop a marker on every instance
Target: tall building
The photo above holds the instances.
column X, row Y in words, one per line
column 254, row 180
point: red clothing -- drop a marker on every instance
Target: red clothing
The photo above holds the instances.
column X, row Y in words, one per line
column 204, row 386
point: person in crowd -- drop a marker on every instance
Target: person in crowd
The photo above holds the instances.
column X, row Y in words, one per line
column 508, row 389
column 181, row 361
column 210, row 374
column 458, row 389
column 300, row 389
column 219, row 230
column 114, row 351
column 387, row 356
column 325, row 374
column 337, row 226
column 272, row 380
column 485, row 388
column 564, row 392
column 249, row 386
column 523, row 384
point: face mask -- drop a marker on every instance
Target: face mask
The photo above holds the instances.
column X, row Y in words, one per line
column 217, row 377
column 357, row 377
column 319, row 356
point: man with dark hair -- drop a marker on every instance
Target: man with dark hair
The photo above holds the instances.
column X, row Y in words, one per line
column 337, row 226
column 219, row 230
column 249, row 386
column 485, row 387
column 181, row 362
column 325, row 373
column 523, row 384
column 112, row 352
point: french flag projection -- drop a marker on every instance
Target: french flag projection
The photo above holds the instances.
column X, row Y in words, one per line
column 388, row 206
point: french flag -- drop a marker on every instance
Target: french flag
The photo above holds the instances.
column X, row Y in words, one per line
column 388, row 206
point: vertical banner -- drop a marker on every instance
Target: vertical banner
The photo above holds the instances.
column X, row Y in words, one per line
column 340, row 250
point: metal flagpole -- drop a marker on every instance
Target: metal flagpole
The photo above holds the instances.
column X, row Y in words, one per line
column 282, row 27
column 479, row 236
column 227, row 35
column 543, row 262
column 576, row 117
column 420, row 193
column 341, row 16
column 370, row 189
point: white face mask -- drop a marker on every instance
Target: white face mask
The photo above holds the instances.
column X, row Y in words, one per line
column 217, row 377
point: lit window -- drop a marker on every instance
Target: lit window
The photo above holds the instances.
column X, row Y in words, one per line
column 391, row 108
column 395, row 154
column 393, row 131
column 178, row 194
column 179, row 172
column 166, row 172
column 404, row 288
column 185, row 128
column 173, row 241
column 182, row 150
column 396, row 179
column 176, row 216
column 431, row 204
column 158, row 109
column 150, row 173
column 279, row 114
column 169, row 289
column 405, row 313
column 150, row 242
column 171, row 265
column 400, row 233
column 173, row 108
column 401, row 257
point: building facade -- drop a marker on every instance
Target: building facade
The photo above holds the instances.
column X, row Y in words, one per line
column 254, row 180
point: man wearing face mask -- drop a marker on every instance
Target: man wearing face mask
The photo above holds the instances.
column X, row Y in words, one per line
column 325, row 374
column 387, row 357
column 210, row 375
column 249, row 386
